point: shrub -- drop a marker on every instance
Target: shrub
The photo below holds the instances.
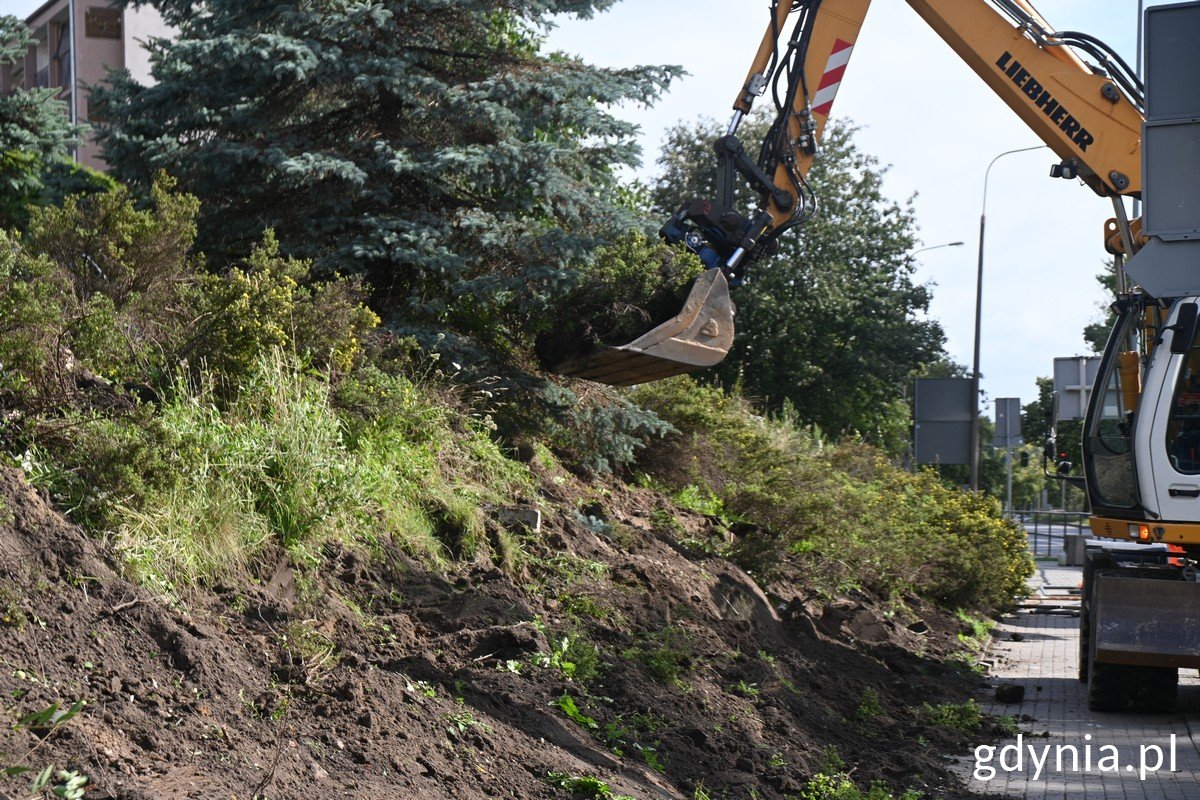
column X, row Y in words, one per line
column 106, row 245
column 606, row 436
column 264, row 303
column 32, row 307
column 104, row 286
column 844, row 514
column 598, row 429
column 91, row 462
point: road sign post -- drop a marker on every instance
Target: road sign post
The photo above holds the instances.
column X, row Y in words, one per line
column 1008, row 435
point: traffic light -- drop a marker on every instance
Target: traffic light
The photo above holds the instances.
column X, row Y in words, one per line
column 1024, row 458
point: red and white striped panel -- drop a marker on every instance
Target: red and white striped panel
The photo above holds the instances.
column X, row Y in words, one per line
column 822, row 102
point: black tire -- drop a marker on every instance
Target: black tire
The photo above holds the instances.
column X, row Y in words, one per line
column 1121, row 687
column 1118, row 687
column 1085, row 633
column 1157, row 688
column 1112, row 687
column 1085, row 611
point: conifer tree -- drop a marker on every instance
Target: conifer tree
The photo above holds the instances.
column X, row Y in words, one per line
column 426, row 144
column 35, row 133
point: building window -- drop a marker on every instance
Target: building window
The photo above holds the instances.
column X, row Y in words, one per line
column 102, row 23
column 62, row 57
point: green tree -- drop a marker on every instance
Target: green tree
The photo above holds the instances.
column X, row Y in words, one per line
column 429, row 146
column 1065, row 439
column 35, row 139
column 833, row 323
column 1096, row 333
column 1036, row 416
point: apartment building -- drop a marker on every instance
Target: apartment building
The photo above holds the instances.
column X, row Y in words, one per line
column 76, row 41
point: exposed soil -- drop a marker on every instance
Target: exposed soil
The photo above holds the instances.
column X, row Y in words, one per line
column 377, row 678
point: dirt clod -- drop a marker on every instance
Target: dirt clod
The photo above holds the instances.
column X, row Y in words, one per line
column 1010, row 693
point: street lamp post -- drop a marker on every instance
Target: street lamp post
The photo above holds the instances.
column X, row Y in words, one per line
column 936, row 246
column 979, row 319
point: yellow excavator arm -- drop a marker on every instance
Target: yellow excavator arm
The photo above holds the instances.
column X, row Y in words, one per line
column 1089, row 115
column 1083, row 114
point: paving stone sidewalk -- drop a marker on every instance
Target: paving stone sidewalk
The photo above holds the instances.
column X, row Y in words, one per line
column 1044, row 661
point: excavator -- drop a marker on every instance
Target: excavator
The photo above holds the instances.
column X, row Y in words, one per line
column 1140, row 607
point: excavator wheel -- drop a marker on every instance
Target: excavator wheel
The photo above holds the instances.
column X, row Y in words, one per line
column 1122, row 687
column 699, row 336
column 1157, row 689
column 1091, row 562
column 1118, row 687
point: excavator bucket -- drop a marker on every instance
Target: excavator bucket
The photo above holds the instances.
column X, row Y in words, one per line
column 699, row 336
column 1147, row 622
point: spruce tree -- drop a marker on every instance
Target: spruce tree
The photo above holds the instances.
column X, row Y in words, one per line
column 426, row 144
column 35, row 134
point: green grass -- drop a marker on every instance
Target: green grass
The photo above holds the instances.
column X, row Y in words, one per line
column 963, row 717
column 838, row 786
column 585, row 786
column 667, row 654
column 869, row 706
column 572, row 655
column 289, row 463
column 977, row 631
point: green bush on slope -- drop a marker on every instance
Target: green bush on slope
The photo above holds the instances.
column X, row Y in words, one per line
column 842, row 512
column 201, row 417
column 114, row 289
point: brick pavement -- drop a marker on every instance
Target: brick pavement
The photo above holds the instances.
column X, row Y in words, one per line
column 1045, row 662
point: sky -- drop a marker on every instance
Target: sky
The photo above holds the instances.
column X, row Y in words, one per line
column 925, row 114
column 936, row 125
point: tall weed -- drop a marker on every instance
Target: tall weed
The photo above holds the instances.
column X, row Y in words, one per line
column 283, row 464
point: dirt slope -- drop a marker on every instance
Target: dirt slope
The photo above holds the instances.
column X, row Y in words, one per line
column 376, row 678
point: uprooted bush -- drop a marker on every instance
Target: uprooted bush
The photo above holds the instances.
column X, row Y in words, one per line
column 630, row 287
column 842, row 514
